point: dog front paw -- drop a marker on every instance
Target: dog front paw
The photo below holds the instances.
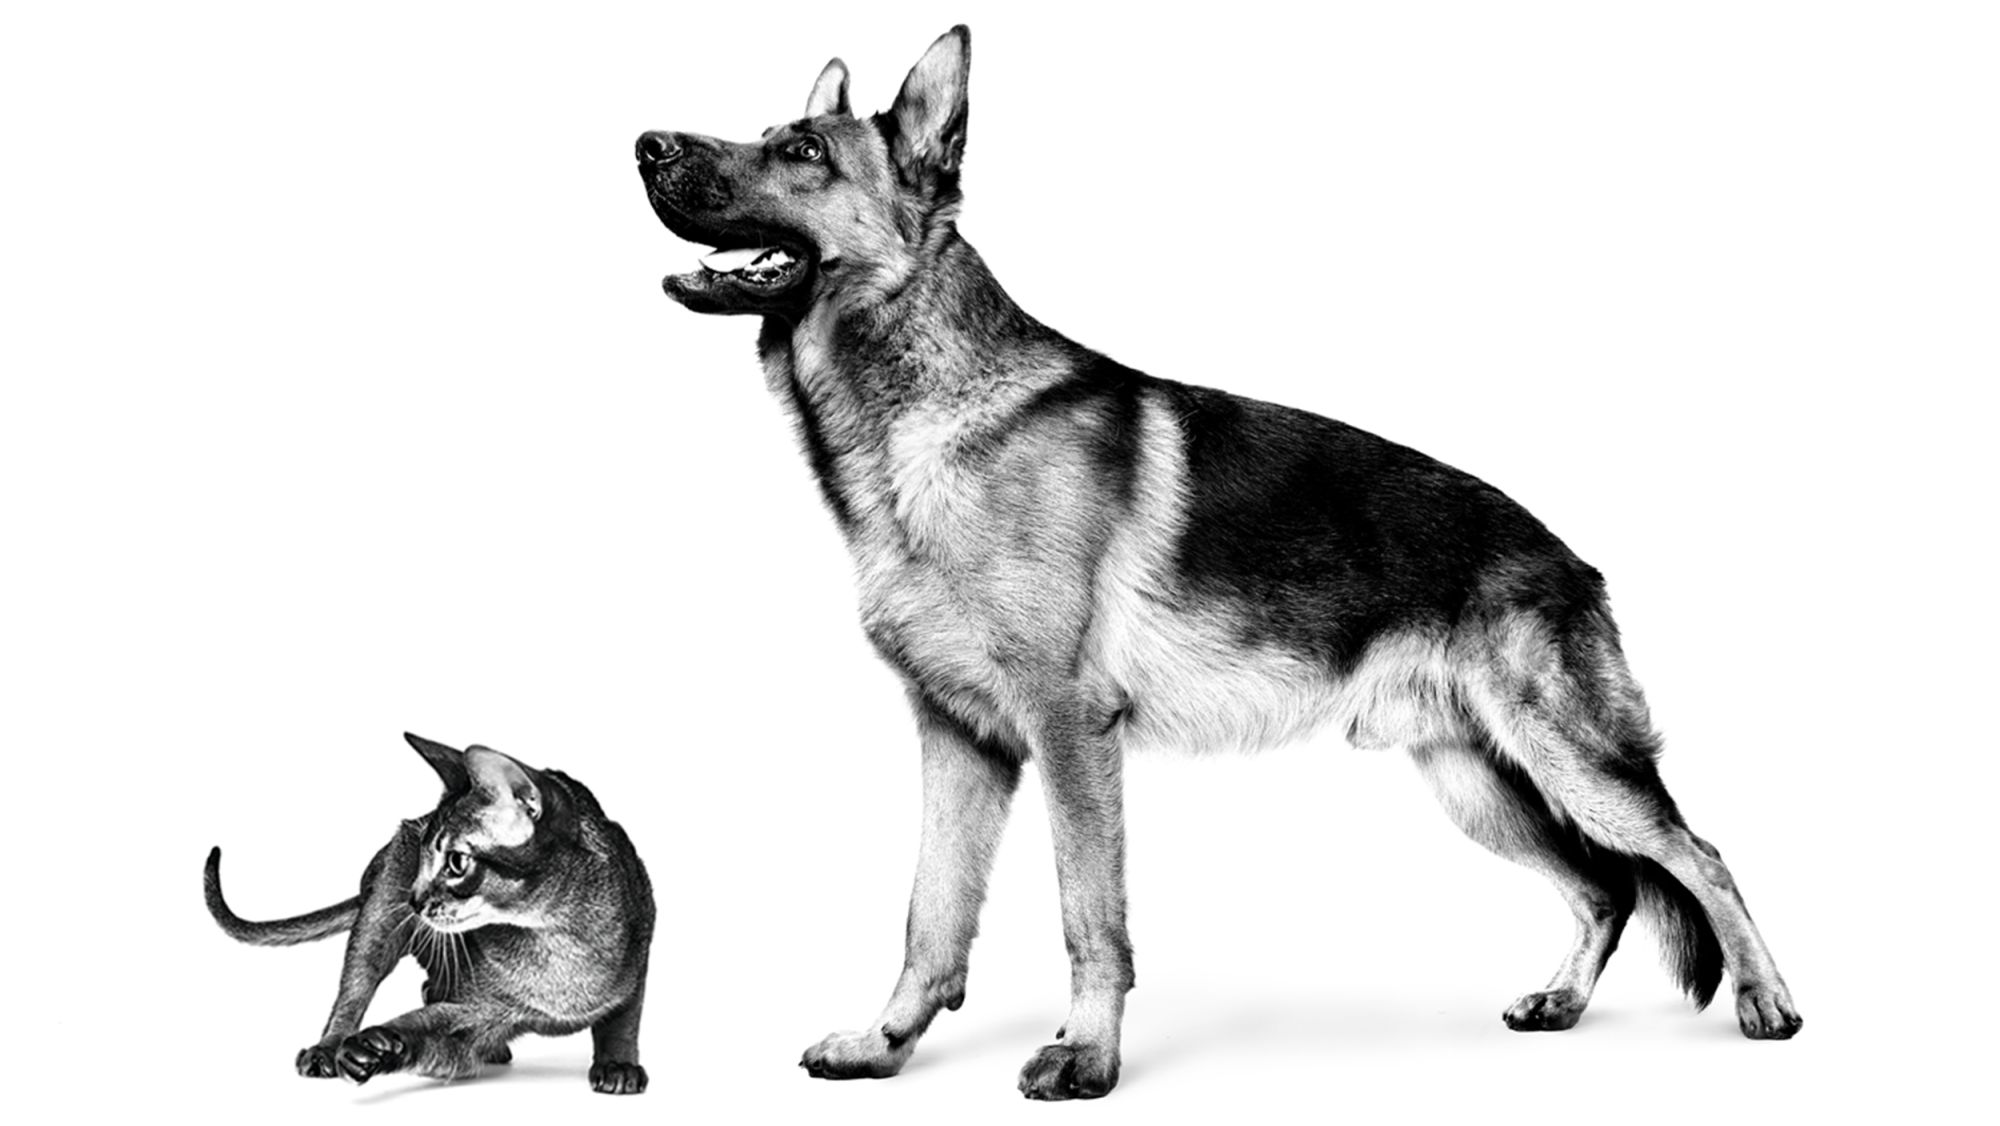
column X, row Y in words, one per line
column 316, row 1062
column 369, row 1053
column 1766, row 1012
column 612, row 1077
column 1549, row 1011
column 1070, row 1071
column 857, row 1055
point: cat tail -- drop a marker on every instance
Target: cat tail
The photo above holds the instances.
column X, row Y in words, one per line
column 280, row 932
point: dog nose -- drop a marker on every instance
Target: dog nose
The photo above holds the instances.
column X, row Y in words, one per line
column 659, row 148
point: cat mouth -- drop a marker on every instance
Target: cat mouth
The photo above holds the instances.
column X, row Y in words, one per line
column 451, row 924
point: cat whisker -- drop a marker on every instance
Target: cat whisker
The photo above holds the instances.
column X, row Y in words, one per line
column 440, row 971
column 403, row 935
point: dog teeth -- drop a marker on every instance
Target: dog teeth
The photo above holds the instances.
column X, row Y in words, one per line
column 731, row 261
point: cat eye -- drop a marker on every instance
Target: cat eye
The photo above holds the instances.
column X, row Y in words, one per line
column 457, row 863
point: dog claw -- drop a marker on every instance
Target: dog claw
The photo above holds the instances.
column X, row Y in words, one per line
column 1552, row 1010
column 1766, row 1012
column 856, row 1055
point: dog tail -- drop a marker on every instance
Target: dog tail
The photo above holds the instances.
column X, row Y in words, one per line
column 1688, row 945
column 280, row 932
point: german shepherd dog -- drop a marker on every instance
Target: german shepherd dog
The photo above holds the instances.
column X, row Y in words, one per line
column 1065, row 558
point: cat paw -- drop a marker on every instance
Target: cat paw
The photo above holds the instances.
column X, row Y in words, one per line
column 369, row 1053
column 1549, row 1011
column 1766, row 1012
column 614, row 1078
column 316, row 1062
column 499, row 1056
column 1070, row 1071
column 857, row 1055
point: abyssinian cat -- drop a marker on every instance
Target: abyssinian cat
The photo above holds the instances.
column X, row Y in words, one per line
column 527, row 908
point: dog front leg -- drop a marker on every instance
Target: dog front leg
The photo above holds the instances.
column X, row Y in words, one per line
column 968, row 784
column 1082, row 773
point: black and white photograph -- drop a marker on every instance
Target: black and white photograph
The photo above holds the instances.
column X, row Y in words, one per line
column 897, row 563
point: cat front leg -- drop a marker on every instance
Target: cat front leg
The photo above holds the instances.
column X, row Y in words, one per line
column 450, row 1040
column 380, row 938
column 614, row 1063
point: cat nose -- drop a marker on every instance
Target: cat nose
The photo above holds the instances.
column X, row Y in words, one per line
column 659, row 148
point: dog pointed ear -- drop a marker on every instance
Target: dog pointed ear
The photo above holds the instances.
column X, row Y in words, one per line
column 929, row 114
column 449, row 764
column 829, row 91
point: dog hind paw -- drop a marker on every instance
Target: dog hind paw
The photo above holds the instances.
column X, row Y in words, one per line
column 1069, row 1071
column 1766, row 1012
column 1548, row 1011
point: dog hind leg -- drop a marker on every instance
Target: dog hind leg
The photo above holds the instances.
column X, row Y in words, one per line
column 968, row 784
column 1496, row 805
column 1579, row 731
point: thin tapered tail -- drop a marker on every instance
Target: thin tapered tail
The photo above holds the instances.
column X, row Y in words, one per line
column 280, row 932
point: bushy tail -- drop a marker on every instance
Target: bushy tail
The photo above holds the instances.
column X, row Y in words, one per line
column 281, row 932
column 1687, row 940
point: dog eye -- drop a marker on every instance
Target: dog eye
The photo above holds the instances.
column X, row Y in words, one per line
column 808, row 148
column 457, row 863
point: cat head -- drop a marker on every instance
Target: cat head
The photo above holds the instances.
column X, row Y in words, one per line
column 485, row 852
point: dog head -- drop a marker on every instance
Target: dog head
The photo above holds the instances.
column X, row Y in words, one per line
column 828, row 207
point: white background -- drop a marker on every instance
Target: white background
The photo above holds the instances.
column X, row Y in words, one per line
column 341, row 398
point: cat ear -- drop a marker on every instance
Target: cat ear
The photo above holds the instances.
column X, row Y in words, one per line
column 516, row 799
column 449, row 764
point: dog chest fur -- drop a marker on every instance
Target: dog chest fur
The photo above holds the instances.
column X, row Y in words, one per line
column 965, row 586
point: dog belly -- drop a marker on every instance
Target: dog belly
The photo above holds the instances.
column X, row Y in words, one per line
column 1192, row 684
column 1258, row 700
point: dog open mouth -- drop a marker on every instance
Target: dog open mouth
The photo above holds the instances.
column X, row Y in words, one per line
column 761, row 267
column 750, row 271
column 742, row 279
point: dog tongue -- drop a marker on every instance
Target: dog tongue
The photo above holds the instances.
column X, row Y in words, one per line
column 730, row 261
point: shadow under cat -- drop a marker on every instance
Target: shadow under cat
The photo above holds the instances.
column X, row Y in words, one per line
column 527, row 908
